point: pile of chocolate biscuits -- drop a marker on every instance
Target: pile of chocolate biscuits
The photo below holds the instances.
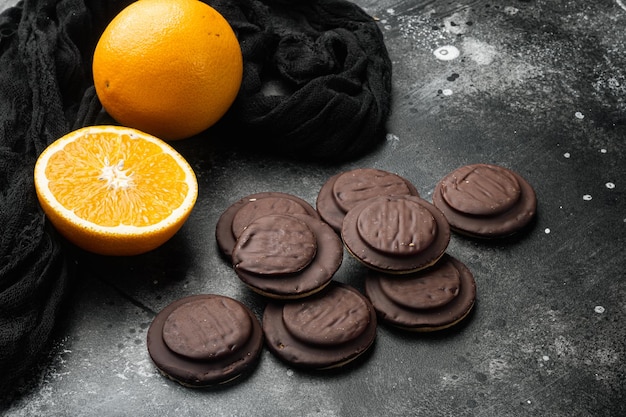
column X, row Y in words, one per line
column 288, row 252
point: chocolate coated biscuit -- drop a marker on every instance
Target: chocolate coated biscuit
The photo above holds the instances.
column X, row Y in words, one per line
column 327, row 330
column 205, row 340
column 396, row 234
column 345, row 190
column 483, row 200
column 287, row 256
column 433, row 299
column 241, row 213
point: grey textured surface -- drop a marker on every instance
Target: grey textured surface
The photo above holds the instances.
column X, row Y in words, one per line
column 539, row 87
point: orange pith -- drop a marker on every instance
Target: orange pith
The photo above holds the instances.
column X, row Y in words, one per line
column 114, row 190
column 171, row 68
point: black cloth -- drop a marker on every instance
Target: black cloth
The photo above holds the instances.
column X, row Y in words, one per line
column 317, row 85
column 317, row 77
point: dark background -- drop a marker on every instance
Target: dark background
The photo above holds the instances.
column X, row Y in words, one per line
column 539, row 87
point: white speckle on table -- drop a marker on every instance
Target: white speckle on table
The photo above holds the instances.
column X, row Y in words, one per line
column 392, row 138
column 547, row 230
column 579, row 115
column 567, row 155
column 446, row 53
column 599, row 309
column 610, row 185
column 587, row 197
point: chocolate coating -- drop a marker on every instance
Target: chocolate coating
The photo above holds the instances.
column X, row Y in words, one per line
column 396, row 227
column 286, row 266
column 237, row 216
column 433, row 299
column 485, row 200
column 324, row 331
column 207, row 328
column 315, row 323
column 345, row 190
column 396, row 234
column 433, row 289
column 205, row 340
column 274, row 245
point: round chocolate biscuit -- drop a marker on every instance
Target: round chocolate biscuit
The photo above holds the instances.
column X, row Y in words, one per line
column 345, row 190
column 433, row 299
column 327, row 330
column 483, row 200
column 287, row 256
column 238, row 215
column 396, row 234
column 205, row 340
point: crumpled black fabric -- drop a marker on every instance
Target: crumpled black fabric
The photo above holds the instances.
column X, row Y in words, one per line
column 43, row 46
column 317, row 77
column 317, row 82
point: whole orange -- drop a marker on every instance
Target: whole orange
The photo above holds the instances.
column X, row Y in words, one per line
column 171, row 68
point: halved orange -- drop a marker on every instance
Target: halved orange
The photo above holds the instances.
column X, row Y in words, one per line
column 115, row 190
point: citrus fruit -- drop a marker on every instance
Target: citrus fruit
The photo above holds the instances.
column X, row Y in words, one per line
column 171, row 68
column 114, row 190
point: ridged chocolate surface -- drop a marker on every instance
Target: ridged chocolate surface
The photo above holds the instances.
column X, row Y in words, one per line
column 345, row 190
column 207, row 328
column 484, row 200
column 324, row 331
column 338, row 317
column 260, row 207
column 397, row 227
column 241, row 213
column 432, row 289
column 274, row 245
column 396, row 234
column 481, row 190
column 315, row 275
column 432, row 299
column 205, row 340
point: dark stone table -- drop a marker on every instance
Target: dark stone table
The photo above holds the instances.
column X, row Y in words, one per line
column 539, row 86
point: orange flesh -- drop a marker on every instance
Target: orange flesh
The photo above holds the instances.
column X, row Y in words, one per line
column 111, row 180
